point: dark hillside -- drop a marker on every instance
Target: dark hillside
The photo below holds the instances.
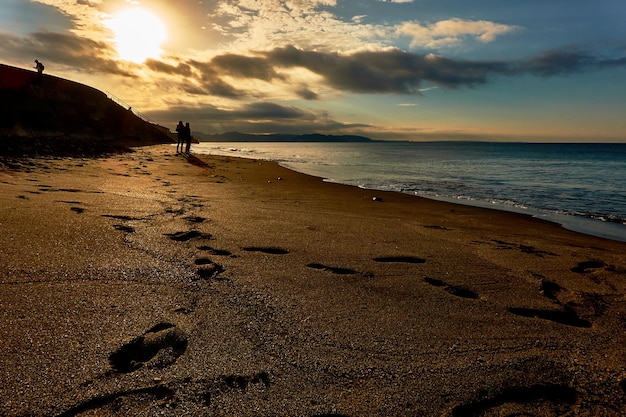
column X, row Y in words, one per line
column 50, row 115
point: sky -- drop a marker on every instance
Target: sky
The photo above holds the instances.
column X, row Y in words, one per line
column 532, row 70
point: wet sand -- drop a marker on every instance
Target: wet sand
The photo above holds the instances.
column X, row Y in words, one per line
column 152, row 284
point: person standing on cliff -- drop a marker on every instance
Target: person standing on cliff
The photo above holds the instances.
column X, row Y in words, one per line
column 180, row 130
column 39, row 67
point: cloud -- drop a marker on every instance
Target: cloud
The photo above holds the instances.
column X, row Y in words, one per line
column 262, row 117
column 66, row 49
column 244, row 67
column 306, row 93
column 451, row 32
column 564, row 61
column 391, row 71
column 86, row 18
column 283, row 72
column 181, row 69
column 398, row 72
column 200, row 78
column 272, row 111
column 308, row 24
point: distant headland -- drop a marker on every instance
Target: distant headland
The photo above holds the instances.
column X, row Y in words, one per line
column 276, row 137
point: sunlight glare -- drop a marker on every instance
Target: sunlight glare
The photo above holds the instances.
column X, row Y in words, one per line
column 138, row 34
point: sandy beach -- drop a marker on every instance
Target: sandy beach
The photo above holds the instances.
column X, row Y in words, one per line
column 148, row 283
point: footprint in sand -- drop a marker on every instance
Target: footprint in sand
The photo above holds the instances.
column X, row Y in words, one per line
column 121, row 217
column 550, row 289
column 401, row 259
column 213, row 251
column 196, row 219
column 159, row 347
column 566, row 316
column 455, row 290
column 552, row 399
column 209, row 269
column 268, row 250
column 587, row 267
column 436, row 227
column 185, row 236
column 332, row 269
column 124, row 228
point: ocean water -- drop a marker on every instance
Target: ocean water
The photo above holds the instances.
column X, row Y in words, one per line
column 580, row 186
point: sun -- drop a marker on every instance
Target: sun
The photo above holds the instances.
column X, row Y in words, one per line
column 138, row 34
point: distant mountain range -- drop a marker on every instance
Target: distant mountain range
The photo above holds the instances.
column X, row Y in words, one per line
column 276, row 137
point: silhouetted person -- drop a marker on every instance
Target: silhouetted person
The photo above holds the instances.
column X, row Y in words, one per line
column 187, row 137
column 180, row 130
column 39, row 67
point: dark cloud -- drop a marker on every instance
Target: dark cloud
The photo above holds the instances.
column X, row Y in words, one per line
column 392, row 71
column 193, row 89
column 373, row 72
column 307, row 94
column 254, row 118
column 563, row 61
column 64, row 49
column 212, row 83
column 215, row 87
column 244, row 67
column 159, row 66
column 262, row 111
column 200, row 78
column 399, row 72
column 253, row 112
column 221, row 88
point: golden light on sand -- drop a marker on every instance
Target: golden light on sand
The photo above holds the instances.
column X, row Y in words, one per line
column 138, row 34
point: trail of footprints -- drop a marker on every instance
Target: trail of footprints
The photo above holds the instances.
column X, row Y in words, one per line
column 207, row 270
column 161, row 345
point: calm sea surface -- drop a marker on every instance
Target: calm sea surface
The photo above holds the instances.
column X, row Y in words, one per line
column 581, row 186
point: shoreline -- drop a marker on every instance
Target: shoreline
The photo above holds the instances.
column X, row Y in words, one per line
column 579, row 224
column 150, row 283
column 575, row 223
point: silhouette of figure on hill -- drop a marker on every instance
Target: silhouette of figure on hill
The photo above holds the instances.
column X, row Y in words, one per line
column 39, row 67
column 180, row 130
column 187, row 137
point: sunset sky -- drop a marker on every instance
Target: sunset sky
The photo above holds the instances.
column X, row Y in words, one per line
column 398, row 69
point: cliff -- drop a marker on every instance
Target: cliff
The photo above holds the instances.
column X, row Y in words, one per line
column 43, row 114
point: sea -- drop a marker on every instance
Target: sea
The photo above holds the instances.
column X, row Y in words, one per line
column 581, row 186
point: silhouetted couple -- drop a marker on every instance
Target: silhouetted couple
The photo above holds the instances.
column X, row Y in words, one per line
column 184, row 137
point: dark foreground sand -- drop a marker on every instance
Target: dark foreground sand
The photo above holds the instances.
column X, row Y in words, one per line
column 146, row 284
